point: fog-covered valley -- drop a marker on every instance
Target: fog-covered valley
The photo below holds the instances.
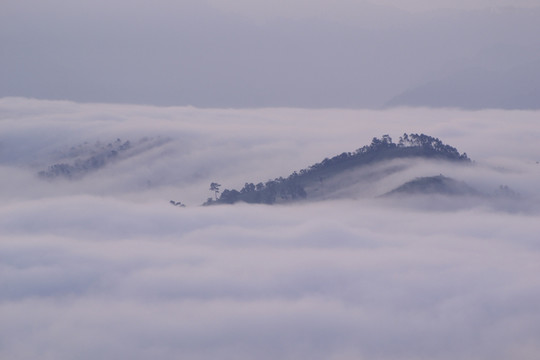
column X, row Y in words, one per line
column 96, row 263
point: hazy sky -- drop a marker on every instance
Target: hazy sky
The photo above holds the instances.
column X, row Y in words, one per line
column 270, row 53
column 324, row 8
column 104, row 267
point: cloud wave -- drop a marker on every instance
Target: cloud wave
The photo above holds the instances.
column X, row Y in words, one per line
column 104, row 267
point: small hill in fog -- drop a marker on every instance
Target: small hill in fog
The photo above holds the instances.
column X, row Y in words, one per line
column 434, row 185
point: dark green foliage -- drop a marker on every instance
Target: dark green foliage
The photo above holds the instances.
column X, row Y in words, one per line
column 229, row 196
column 293, row 187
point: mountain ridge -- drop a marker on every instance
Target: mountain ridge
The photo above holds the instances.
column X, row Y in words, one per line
column 304, row 183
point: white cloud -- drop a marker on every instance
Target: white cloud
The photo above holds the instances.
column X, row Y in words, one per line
column 271, row 282
column 104, row 267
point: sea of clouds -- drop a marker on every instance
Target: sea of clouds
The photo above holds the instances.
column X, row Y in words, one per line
column 103, row 267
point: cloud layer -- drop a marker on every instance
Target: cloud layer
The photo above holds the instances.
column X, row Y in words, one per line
column 104, row 267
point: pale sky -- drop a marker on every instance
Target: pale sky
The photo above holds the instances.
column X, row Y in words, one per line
column 322, row 8
column 295, row 53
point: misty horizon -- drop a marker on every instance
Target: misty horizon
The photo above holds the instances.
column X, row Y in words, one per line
column 216, row 55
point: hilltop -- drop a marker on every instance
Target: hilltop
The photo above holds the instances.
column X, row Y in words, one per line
column 308, row 183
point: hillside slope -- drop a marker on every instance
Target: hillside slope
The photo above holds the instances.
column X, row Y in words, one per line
column 310, row 182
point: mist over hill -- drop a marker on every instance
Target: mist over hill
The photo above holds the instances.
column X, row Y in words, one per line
column 324, row 179
column 364, row 174
column 79, row 160
column 175, row 153
column 434, row 185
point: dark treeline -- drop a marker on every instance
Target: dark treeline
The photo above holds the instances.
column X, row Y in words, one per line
column 293, row 187
column 100, row 156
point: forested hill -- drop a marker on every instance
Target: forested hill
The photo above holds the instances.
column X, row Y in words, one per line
column 294, row 186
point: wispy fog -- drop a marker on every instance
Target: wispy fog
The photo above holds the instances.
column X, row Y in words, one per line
column 99, row 265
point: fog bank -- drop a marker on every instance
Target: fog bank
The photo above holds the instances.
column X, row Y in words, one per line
column 100, row 265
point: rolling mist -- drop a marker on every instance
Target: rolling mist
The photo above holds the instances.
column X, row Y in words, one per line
column 96, row 263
